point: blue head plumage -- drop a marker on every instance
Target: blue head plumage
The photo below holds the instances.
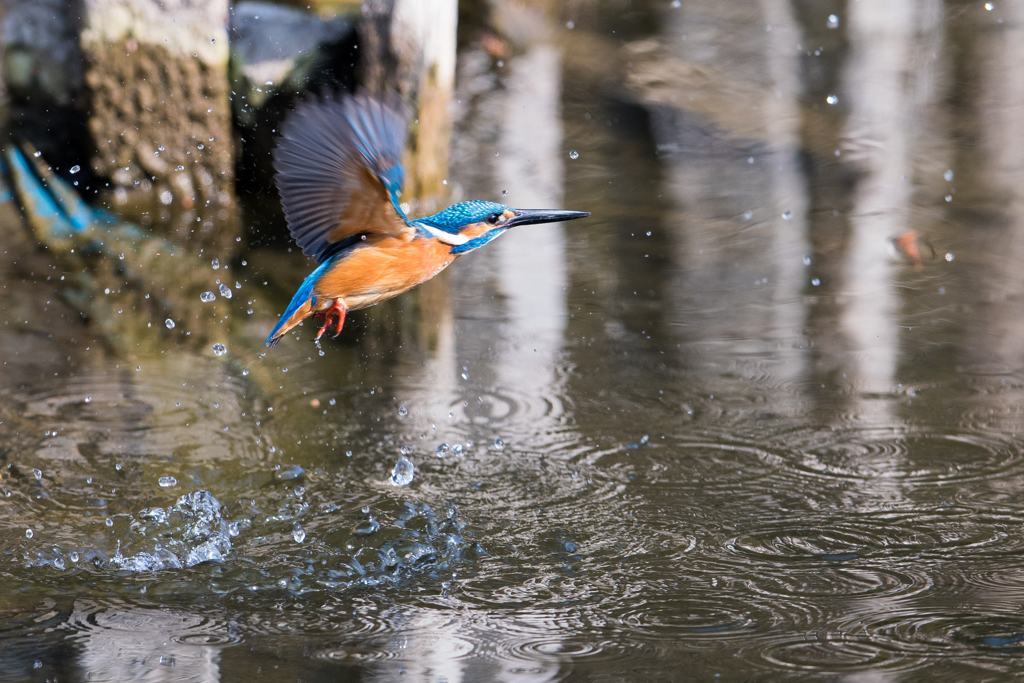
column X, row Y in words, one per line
column 462, row 214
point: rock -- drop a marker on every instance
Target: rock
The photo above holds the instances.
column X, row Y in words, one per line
column 275, row 48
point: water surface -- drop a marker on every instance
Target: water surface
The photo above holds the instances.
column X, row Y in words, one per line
column 723, row 428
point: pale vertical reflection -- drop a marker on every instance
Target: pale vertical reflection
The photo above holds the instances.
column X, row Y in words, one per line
column 882, row 82
column 788, row 187
column 430, row 654
column 527, row 266
column 149, row 645
column 1002, row 174
column 530, row 262
column 734, row 137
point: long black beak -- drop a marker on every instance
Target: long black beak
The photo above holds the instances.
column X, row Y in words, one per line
column 531, row 216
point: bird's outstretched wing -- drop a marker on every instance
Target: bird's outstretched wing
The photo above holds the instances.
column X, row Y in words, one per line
column 339, row 170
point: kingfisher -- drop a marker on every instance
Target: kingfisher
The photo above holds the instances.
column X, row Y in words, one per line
column 338, row 170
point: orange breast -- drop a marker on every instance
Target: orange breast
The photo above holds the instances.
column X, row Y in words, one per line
column 381, row 269
column 476, row 229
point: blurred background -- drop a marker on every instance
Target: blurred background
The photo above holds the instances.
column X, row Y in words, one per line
column 759, row 416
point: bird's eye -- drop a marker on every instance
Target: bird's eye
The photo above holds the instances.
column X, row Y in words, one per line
column 493, row 218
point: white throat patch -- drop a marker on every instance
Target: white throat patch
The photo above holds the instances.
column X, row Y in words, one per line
column 446, row 237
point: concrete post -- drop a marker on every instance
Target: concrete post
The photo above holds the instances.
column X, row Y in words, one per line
column 160, row 115
column 409, row 46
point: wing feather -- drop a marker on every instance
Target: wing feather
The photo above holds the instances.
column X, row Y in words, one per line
column 339, row 171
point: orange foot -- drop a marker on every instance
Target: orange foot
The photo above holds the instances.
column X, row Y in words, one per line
column 336, row 307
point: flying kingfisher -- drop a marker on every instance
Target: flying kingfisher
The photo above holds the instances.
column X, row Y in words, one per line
column 339, row 173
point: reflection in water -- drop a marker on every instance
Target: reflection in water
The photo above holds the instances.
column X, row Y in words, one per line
column 152, row 645
column 889, row 81
column 531, row 262
column 717, row 429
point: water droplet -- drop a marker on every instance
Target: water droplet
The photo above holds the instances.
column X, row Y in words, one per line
column 219, row 349
column 238, row 285
column 202, row 146
column 402, row 411
column 207, row 297
column 949, row 256
column 988, row 6
column 29, row 533
column 169, row 323
column 574, row 154
column 815, row 282
column 948, row 175
column 37, row 154
column 458, row 450
column 832, row 99
column 59, row 563
column 333, row 401
column 348, row 454
column 74, row 556
column 747, row 215
column 403, row 472
column 233, row 529
column 75, row 169
column 215, row 263
column 225, row 291
column 37, row 474
column 465, row 376
column 807, row 260
column 108, row 521
column 786, row 215
column 750, row 160
column 289, row 473
column 504, row 193
column 167, row 482
column 88, row 399
column 833, row 21
column 442, row 450
column 298, row 533
column 949, row 197
column 499, row 445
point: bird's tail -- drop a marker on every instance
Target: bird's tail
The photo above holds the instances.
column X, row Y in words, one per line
column 291, row 317
column 301, row 306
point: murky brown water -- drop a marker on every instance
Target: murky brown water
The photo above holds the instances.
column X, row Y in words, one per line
column 721, row 429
